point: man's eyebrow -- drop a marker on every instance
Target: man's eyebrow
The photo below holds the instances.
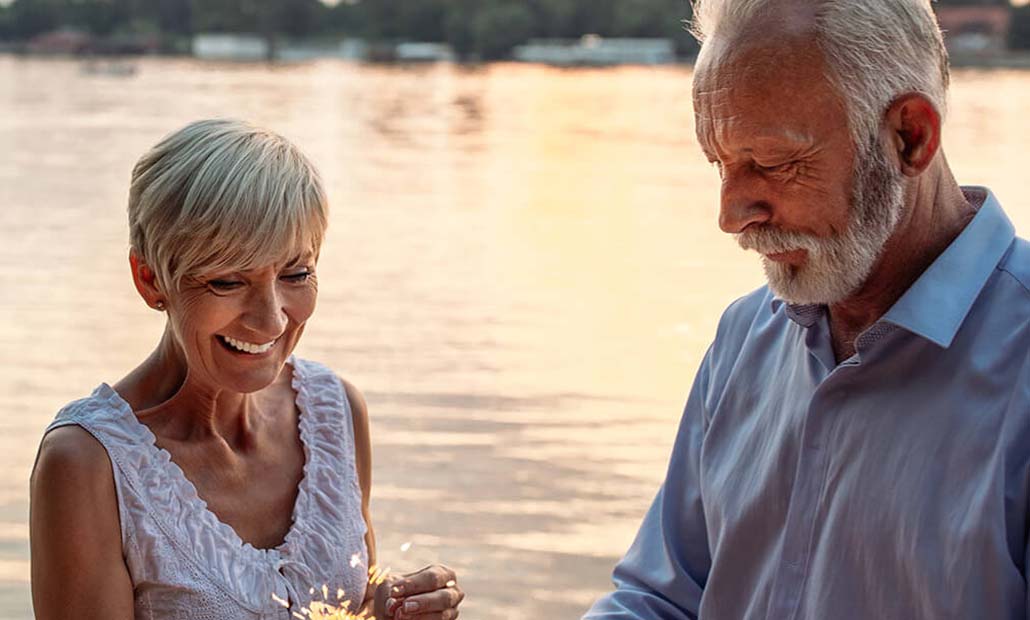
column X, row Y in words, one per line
column 777, row 139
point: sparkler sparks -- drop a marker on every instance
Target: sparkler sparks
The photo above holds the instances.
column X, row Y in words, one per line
column 377, row 575
column 323, row 610
column 340, row 609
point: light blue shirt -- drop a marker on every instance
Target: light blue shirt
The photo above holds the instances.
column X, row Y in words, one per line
column 894, row 485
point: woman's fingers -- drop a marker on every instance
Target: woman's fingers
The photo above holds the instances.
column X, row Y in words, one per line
column 429, row 594
column 447, row 614
column 428, row 603
column 426, row 580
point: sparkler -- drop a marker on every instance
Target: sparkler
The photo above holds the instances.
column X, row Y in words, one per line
column 324, row 610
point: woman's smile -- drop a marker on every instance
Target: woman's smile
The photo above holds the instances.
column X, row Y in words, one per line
column 243, row 348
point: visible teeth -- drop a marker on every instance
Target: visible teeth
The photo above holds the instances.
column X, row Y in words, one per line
column 248, row 347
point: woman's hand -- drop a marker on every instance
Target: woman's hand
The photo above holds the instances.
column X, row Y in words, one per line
column 429, row 594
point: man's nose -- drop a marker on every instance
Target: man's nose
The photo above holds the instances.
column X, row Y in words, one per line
column 265, row 314
column 742, row 203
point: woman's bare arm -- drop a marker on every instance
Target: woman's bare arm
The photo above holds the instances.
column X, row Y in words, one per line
column 78, row 570
column 363, row 464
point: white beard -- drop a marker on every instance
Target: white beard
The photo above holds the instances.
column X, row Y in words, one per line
column 837, row 266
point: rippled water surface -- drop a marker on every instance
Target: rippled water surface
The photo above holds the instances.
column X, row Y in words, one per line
column 522, row 273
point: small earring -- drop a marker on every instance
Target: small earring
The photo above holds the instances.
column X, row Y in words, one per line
column 160, row 306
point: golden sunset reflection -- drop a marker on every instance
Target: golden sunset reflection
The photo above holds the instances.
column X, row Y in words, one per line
column 522, row 273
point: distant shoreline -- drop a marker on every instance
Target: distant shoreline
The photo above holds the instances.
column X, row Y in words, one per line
column 1005, row 60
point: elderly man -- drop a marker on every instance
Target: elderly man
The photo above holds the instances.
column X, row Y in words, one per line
column 857, row 441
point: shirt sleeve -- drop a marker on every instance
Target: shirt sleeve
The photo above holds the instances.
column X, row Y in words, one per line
column 664, row 572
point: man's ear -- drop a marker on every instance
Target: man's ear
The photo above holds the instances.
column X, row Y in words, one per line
column 914, row 124
column 146, row 282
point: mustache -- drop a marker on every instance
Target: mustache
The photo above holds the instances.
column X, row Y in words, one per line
column 766, row 239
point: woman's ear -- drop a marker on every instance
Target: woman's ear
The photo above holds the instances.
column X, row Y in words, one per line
column 915, row 126
column 146, row 282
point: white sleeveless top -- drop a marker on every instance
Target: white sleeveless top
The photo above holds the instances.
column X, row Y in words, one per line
column 185, row 564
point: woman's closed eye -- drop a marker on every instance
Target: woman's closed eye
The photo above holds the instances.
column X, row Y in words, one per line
column 224, row 285
column 297, row 277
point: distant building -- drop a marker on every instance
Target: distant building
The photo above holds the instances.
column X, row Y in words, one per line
column 305, row 50
column 63, row 41
column 353, row 49
column 73, row 42
column 424, row 52
column 975, row 28
column 595, row 50
column 211, row 46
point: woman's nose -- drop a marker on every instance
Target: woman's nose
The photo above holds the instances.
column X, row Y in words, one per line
column 266, row 314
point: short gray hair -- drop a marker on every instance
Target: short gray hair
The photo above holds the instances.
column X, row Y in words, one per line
column 223, row 195
column 877, row 50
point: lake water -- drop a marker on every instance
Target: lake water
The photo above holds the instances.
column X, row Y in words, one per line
column 522, row 273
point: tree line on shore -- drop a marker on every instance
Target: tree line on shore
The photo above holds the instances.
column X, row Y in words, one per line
column 486, row 29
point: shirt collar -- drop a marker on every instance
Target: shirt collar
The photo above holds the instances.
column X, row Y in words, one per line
column 937, row 303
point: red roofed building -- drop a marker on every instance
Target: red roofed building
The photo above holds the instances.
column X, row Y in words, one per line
column 63, row 41
column 975, row 27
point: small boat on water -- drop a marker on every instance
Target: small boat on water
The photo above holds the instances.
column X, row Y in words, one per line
column 116, row 68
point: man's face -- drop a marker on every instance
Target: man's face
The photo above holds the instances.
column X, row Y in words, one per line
column 794, row 188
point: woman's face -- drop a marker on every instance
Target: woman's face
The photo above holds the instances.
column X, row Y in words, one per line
column 237, row 329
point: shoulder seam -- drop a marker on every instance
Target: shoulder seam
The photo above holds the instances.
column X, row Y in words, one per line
column 1024, row 285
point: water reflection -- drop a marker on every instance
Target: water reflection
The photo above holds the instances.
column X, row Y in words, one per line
column 522, row 272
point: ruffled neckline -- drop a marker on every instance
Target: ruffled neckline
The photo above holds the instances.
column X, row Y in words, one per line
column 187, row 491
column 327, row 523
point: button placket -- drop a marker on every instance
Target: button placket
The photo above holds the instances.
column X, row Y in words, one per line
column 805, row 499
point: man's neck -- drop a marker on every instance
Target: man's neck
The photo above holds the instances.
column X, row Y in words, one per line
column 936, row 212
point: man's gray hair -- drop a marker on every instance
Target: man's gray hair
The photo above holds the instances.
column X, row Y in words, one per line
column 223, row 195
column 877, row 50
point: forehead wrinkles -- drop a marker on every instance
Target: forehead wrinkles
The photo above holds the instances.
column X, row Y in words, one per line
column 775, row 89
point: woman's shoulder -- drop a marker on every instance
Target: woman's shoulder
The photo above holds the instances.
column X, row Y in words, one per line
column 75, row 528
column 72, row 468
column 71, row 453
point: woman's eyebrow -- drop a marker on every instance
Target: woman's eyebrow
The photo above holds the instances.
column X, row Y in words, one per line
column 298, row 259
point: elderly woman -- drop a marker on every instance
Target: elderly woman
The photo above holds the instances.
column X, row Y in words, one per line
column 223, row 477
